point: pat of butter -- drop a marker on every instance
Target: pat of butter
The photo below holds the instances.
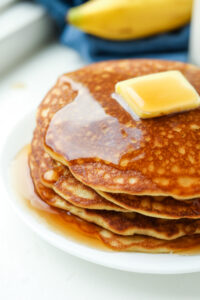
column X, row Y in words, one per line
column 158, row 94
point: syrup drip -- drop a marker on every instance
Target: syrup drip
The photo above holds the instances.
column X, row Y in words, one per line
column 57, row 220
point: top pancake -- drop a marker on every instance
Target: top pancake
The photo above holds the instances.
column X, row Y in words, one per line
column 108, row 148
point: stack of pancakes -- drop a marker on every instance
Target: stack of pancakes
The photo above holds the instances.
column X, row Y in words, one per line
column 138, row 180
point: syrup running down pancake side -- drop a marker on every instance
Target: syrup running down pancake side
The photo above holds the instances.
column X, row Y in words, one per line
column 57, row 220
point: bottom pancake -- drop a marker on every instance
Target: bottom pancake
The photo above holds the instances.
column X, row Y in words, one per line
column 139, row 243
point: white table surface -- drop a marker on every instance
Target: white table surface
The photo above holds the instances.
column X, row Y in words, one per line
column 32, row 269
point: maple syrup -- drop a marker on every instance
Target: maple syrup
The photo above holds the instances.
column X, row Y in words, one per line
column 86, row 121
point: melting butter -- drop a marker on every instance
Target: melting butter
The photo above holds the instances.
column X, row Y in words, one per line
column 158, row 94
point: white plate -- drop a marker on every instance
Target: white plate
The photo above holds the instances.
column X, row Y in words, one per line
column 19, row 124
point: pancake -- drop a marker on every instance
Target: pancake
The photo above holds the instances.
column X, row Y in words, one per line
column 155, row 206
column 117, row 222
column 107, row 148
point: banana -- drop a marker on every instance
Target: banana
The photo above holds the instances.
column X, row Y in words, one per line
column 130, row 19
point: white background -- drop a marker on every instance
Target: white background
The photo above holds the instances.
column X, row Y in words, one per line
column 30, row 268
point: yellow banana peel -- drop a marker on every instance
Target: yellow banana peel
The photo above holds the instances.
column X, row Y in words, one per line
column 130, row 19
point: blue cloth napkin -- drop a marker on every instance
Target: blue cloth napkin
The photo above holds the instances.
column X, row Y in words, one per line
column 172, row 45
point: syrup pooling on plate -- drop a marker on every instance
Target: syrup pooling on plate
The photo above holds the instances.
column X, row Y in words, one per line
column 89, row 130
